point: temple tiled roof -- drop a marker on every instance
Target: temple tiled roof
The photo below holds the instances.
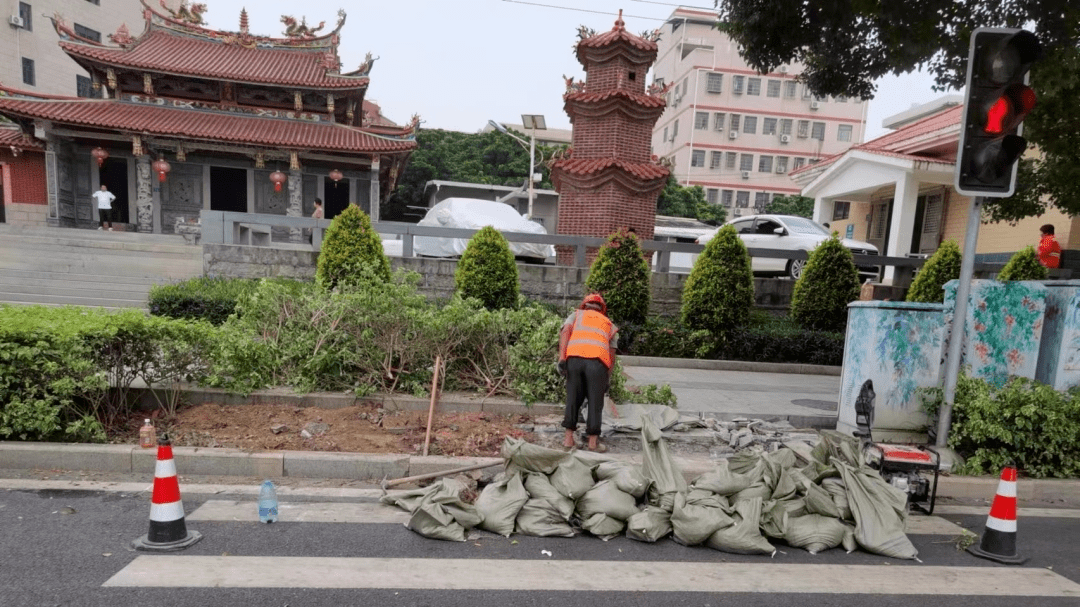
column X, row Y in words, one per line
column 204, row 125
column 641, row 99
column 13, row 137
column 618, row 34
column 593, row 166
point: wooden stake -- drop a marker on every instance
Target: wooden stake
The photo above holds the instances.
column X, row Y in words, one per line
column 434, row 397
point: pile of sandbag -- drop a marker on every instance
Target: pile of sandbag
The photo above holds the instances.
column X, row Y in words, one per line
column 742, row 506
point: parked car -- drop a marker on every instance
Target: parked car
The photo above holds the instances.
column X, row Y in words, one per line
column 473, row 214
column 789, row 233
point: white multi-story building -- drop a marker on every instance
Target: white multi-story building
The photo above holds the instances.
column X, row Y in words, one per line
column 733, row 131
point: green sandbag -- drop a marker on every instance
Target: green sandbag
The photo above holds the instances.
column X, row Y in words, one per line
column 704, row 497
column 773, row 513
column 540, row 518
column 836, row 446
column 745, row 462
column 521, row 455
column 838, row 493
column 627, row 477
column 603, row 526
column 606, row 498
column 500, row 502
column 432, row 521
column 445, row 493
column 813, row 532
column 723, row 481
column 744, row 537
column 572, row 478
column 880, row 512
column 658, row 467
column 649, row 525
column 786, row 458
column 785, row 487
column 692, row 524
column 539, row 486
column 819, row 501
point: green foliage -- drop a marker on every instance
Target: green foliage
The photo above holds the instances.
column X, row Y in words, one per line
column 801, row 206
column 719, row 293
column 827, row 285
column 622, row 276
column 688, row 201
column 943, row 266
column 1024, row 265
column 1024, row 422
column 487, row 270
column 209, row 299
column 350, row 244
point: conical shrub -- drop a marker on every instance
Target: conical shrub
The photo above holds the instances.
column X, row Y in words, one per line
column 621, row 275
column 719, row 294
column 351, row 251
column 829, row 282
column 929, row 283
column 487, row 270
column 1024, row 265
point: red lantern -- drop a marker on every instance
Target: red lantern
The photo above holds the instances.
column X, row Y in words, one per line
column 161, row 167
column 336, row 176
column 278, row 178
column 99, row 154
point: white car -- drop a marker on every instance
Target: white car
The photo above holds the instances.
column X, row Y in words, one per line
column 788, row 233
column 473, row 214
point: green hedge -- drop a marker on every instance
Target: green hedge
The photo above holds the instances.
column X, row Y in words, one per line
column 209, row 299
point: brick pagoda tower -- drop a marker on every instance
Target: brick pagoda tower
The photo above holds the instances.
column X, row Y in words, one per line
column 609, row 178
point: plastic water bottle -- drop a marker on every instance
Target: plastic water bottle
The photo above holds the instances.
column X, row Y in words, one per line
column 268, row 505
column 147, row 436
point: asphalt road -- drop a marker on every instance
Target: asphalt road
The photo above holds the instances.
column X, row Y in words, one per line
column 50, row 555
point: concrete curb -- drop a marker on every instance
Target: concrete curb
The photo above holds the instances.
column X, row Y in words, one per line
column 728, row 365
column 375, row 467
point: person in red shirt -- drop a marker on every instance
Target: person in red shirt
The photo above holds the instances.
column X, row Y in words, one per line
column 1049, row 249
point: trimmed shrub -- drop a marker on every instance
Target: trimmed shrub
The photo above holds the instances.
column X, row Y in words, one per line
column 209, row 299
column 943, row 266
column 621, row 275
column 1024, row 265
column 719, row 293
column 349, row 245
column 827, row 285
column 487, row 271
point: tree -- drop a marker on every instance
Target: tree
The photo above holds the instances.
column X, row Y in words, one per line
column 688, row 201
column 801, row 206
column 719, row 292
column 489, row 158
column 943, row 266
column 351, row 251
column 847, row 45
column 621, row 275
column 827, row 285
column 487, row 270
column 1024, row 265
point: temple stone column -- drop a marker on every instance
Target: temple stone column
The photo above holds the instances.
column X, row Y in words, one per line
column 375, row 202
column 296, row 203
column 144, row 196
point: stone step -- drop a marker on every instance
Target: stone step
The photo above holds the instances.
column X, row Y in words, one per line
column 65, row 289
column 103, row 248
column 45, row 278
column 92, row 264
column 54, row 300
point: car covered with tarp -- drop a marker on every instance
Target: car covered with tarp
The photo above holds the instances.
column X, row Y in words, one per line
column 473, row 214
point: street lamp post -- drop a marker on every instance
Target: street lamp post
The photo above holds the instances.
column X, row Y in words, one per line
column 531, row 122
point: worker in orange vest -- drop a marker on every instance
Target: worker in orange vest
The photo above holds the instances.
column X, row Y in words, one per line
column 586, row 357
column 1049, row 249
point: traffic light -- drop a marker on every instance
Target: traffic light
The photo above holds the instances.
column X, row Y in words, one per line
column 996, row 100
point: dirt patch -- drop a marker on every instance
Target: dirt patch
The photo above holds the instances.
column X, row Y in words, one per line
column 365, row 428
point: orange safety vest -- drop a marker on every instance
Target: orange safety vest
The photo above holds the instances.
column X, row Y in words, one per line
column 590, row 337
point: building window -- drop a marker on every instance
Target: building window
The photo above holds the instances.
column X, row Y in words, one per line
column 764, row 164
column 746, row 162
column 737, row 85
column 804, row 128
column 84, row 87
column 818, row 132
column 753, row 86
column 797, row 163
column 774, row 88
column 841, row 210
column 843, row 132
column 735, row 121
column 768, row 126
column 674, row 130
column 714, row 83
column 697, row 158
column 701, row 120
column 749, row 125
column 718, row 120
column 781, row 164
column 742, row 199
column 711, row 195
column 761, row 199
column 840, row 99
column 730, row 159
column 26, row 12
column 715, row 159
column 790, row 89
column 28, row 71
column 726, row 197
column 785, row 126
column 806, row 94
column 87, row 33
column 665, row 133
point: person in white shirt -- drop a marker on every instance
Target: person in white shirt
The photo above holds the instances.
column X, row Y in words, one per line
column 104, row 200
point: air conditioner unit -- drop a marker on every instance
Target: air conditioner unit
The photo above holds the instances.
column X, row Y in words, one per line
column 746, row 174
column 781, row 169
column 785, row 138
column 814, row 105
column 732, row 134
column 783, row 69
column 17, row 21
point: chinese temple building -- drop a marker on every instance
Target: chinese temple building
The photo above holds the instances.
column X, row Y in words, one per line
column 192, row 118
column 609, row 178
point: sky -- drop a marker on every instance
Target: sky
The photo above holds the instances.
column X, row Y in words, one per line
column 460, row 63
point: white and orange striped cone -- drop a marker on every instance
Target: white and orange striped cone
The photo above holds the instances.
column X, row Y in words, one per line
column 167, row 528
column 999, row 539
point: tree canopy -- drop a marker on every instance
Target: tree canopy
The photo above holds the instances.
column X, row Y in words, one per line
column 688, row 201
column 791, row 205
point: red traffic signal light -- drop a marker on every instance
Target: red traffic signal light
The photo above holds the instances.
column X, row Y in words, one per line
column 997, row 99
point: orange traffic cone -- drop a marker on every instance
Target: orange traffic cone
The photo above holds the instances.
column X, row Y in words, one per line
column 999, row 540
column 167, row 528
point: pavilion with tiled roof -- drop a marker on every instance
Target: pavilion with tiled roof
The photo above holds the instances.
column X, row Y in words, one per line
column 227, row 112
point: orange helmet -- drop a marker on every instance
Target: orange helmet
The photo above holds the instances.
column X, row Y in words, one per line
column 595, row 298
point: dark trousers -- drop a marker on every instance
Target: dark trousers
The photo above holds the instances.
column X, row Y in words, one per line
column 585, row 378
column 105, row 215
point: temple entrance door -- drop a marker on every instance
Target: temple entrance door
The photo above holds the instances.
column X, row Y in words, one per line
column 336, row 197
column 113, row 175
column 228, row 189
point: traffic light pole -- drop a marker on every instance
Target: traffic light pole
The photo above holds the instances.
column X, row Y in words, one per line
column 956, row 330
